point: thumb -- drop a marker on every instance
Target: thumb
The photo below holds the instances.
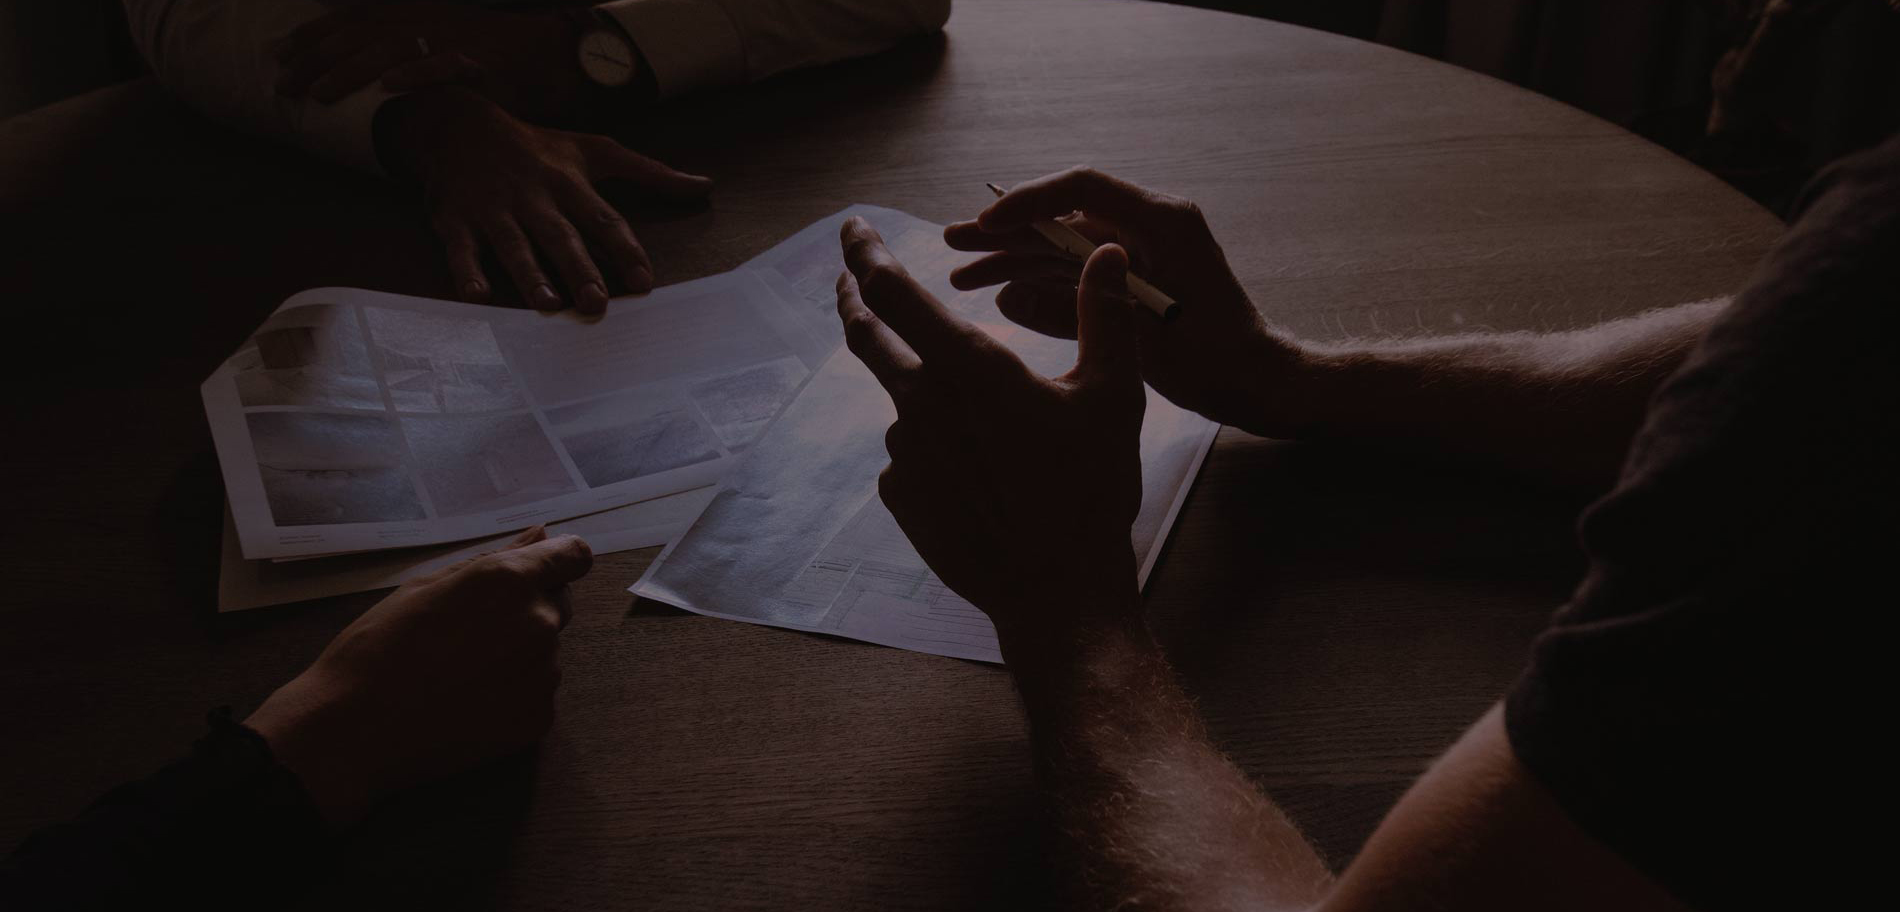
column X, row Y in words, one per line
column 1104, row 327
column 527, row 537
column 551, row 562
column 615, row 161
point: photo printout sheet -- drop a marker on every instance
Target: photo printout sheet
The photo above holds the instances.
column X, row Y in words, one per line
column 797, row 537
column 356, row 420
column 245, row 584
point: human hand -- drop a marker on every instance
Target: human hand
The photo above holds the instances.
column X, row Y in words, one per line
column 490, row 179
column 1218, row 357
column 526, row 61
column 1017, row 489
column 452, row 669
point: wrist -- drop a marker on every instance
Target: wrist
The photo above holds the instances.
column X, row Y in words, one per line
column 420, row 131
column 1290, row 395
column 313, row 731
column 564, row 87
column 1051, row 670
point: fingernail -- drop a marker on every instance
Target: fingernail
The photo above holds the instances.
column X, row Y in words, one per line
column 474, row 290
column 545, row 298
column 640, row 278
column 593, row 297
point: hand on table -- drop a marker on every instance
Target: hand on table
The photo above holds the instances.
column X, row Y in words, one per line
column 525, row 60
column 1018, row 490
column 450, row 670
column 492, row 180
column 1217, row 357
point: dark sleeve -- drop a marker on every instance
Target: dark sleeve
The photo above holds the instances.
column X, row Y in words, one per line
column 1698, row 704
column 225, row 827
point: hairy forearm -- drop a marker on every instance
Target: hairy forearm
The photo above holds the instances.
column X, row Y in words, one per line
column 1154, row 816
column 1560, row 407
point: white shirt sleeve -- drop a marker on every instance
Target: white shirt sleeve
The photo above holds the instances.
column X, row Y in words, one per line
column 695, row 44
column 215, row 54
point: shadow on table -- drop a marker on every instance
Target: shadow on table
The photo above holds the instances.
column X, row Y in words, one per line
column 1342, row 614
column 446, row 844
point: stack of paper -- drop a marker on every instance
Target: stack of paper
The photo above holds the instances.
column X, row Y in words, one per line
column 366, row 438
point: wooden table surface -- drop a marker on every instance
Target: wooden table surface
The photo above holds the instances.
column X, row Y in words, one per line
column 1340, row 615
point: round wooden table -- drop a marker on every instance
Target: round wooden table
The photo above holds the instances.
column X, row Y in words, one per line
column 1341, row 615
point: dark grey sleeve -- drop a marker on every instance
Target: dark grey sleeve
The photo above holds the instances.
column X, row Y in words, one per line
column 225, row 827
column 1695, row 703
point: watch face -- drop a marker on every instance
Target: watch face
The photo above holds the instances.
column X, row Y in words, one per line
column 607, row 58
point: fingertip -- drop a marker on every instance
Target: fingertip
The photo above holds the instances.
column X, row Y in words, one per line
column 639, row 278
column 965, row 236
column 994, row 217
column 1014, row 302
column 475, row 291
column 688, row 186
column 592, row 299
column 581, row 551
column 529, row 536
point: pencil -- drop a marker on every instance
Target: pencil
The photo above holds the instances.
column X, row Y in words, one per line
column 1072, row 242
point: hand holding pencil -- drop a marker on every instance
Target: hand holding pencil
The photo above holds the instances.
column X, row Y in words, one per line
column 1214, row 354
column 1073, row 243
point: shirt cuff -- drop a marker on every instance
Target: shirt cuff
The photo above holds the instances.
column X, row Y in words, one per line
column 345, row 131
column 689, row 44
column 342, row 131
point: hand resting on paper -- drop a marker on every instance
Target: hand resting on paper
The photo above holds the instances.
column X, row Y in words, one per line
column 1217, row 357
column 1017, row 489
column 491, row 180
column 450, row 670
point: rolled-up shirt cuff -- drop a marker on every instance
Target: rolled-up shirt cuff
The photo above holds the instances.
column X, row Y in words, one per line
column 342, row 131
column 345, row 131
column 689, row 44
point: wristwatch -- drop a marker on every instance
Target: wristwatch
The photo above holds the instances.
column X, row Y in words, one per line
column 607, row 53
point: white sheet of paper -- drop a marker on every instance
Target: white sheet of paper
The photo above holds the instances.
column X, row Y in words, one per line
column 797, row 537
column 244, row 584
column 356, row 420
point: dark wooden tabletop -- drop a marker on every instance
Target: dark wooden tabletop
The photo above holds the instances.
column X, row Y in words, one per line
column 1340, row 615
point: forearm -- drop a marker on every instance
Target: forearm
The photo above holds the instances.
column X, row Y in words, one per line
column 1154, row 816
column 1560, row 407
column 214, row 54
column 700, row 44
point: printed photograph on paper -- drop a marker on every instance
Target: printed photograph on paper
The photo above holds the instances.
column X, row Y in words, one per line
column 321, row 468
column 628, row 435
column 481, row 463
column 310, row 356
column 741, row 404
column 441, row 365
